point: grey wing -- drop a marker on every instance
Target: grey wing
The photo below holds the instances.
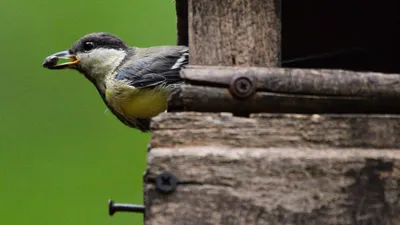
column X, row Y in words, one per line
column 155, row 70
column 152, row 71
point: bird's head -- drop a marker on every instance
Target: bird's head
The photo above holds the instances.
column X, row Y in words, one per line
column 95, row 55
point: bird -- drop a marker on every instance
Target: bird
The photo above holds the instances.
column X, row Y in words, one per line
column 134, row 83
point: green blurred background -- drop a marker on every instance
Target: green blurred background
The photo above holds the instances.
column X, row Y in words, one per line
column 61, row 155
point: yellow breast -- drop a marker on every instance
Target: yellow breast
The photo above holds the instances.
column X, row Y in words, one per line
column 138, row 103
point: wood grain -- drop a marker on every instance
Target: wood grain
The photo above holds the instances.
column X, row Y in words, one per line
column 276, row 130
column 234, row 32
column 319, row 82
column 235, row 186
column 214, row 99
column 283, row 90
column 311, row 169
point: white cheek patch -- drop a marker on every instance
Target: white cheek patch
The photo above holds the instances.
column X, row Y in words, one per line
column 101, row 61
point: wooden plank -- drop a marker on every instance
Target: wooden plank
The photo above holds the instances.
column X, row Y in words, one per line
column 214, row 99
column 321, row 82
column 209, row 89
column 276, row 130
column 241, row 186
column 230, row 32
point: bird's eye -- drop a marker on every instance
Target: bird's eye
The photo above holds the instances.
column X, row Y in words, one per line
column 87, row 46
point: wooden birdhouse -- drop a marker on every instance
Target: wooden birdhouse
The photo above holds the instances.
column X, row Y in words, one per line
column 289, row 115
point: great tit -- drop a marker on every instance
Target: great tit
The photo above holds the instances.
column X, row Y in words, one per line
column 135, row 83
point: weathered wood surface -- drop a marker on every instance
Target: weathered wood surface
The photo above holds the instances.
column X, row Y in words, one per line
column 275, row 169
column 272, row 168
column 321, row 82
column 241, row 186
column 276, row 130
column 285, row 90
column 230, row 32
column 211, row 99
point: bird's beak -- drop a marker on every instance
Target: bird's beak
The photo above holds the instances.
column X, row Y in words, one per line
column 51, row 61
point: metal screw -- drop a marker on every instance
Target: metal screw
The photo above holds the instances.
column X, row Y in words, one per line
column 121, row 207
column 242, row 87
column 166, row 182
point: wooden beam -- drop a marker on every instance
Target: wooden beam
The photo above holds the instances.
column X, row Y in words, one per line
column 319, row 82
column 283, row 90
column 211, row 99
column 232, row 32
column 274, row 169
column 174, row 130
column 241, row 186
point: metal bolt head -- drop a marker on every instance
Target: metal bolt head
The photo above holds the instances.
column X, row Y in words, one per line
column 122, row 207
column 242, row 87
column 166, row 182
column 111, row 208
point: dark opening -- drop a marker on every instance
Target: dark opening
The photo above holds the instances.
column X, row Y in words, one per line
column 360, row 35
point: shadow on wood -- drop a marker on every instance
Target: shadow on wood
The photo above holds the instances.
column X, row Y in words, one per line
column 354, row 35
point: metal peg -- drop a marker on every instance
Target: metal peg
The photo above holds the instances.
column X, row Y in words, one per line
column 122, row 207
